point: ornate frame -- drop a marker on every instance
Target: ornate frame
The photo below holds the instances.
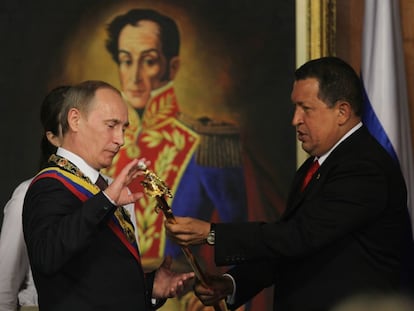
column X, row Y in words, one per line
column 315, row 37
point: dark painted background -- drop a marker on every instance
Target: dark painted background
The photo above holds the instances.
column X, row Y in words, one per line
column 258, row 37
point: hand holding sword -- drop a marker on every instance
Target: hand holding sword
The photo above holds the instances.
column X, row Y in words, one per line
column 155, row 187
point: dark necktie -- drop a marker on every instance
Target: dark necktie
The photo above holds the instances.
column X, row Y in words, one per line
column 101, row 183
column 312, row 169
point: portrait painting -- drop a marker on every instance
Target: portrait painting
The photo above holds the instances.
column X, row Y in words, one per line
column 207, row 86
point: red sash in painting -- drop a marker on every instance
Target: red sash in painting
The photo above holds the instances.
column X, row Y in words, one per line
column 169, row 146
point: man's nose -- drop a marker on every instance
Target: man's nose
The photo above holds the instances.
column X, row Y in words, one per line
column 138, row 73
column 297, row 117
column 119, row 137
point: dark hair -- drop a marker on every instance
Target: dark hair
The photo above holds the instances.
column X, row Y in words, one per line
column 80, row 96
column 337, row 81
column 49, row 118
column 169, row 34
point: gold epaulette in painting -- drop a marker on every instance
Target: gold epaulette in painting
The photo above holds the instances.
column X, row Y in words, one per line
column 219, row 141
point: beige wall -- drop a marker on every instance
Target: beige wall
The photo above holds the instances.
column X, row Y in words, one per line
column 349, row 35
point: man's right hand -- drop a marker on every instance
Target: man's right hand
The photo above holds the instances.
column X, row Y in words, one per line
column 187, row 231
column 219, row 288
column 118, row 190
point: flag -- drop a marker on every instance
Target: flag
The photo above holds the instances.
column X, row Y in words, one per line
column 386, row 112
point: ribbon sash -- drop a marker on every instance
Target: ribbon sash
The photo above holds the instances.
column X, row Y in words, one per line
column 84, row 190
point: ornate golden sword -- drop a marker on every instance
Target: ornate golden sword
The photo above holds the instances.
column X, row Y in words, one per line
column 156, row 188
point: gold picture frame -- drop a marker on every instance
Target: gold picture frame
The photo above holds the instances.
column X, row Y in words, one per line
column 315, row 37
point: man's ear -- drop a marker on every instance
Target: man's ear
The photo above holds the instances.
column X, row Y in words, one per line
column 74, row 118
column 344, row 111
column 174, row 67
column 53, row 139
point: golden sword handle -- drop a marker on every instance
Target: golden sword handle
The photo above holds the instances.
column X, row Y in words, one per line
column 155, row 187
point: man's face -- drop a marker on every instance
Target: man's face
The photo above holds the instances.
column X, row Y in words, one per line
column 317, row 125
column 142, row 64
column 101, row 131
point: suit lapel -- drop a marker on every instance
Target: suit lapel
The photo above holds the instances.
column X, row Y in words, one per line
column 296, row 196
column 84, row 190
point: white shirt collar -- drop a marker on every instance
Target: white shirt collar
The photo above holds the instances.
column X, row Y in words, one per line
column 322, row 158
column 85, row 168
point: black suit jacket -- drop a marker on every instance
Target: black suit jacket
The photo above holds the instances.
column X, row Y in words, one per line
column 78, row 262
column 347, row 233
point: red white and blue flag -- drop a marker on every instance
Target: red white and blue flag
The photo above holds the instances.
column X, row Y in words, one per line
column 383, row 74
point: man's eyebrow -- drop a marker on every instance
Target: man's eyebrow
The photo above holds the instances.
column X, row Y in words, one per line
column 113, row 120
column 116, row 121
column 123, row 51
column 151, row 50
column 143, row 52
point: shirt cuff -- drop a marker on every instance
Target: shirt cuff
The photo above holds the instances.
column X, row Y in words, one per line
column 110, row 200
column 231, row 298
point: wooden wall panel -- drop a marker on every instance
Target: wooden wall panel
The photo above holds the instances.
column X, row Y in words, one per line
column 407, row 13
column 349, row 31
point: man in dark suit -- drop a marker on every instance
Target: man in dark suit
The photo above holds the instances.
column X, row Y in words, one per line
column 81, row 242
column 345, row 230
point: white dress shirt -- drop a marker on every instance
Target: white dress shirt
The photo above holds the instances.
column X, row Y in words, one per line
column 16, row 281
column 93, row 175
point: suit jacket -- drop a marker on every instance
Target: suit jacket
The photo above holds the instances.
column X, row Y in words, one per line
column 347, row 233
column 78, row 262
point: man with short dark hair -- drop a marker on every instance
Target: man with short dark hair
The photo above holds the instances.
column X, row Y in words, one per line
column 345, row 230
column 80, row 240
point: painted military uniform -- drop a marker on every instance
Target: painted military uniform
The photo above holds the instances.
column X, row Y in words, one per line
column 168, row 145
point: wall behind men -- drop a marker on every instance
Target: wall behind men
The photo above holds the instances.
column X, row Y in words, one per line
column 252, row 42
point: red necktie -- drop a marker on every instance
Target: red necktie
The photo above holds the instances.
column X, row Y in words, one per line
column 312, row 169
